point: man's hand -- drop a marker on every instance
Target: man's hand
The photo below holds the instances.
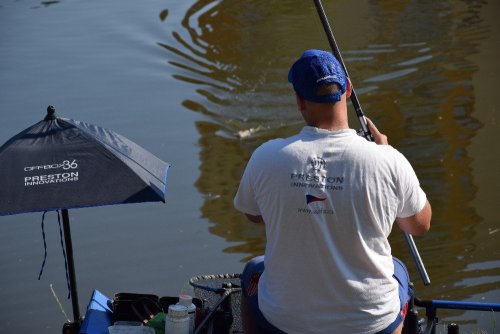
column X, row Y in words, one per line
column 380, row 138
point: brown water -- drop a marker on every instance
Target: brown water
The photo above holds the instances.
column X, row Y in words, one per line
column 202, row 84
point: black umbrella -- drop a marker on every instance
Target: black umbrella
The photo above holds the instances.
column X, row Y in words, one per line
column 61, row 163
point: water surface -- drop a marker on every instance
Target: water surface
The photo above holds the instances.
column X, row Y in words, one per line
column 202, row 84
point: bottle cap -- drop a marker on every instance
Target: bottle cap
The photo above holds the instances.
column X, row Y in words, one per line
column 185, row 300
column 177, row 311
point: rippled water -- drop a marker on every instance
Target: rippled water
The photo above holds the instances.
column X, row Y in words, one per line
column 202, row 84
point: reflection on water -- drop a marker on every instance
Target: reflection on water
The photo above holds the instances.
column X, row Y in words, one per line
column 410, row 64
column 414, row 78
column 225, row 51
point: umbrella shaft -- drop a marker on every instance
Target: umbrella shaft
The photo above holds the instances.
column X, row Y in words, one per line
column 71, row 265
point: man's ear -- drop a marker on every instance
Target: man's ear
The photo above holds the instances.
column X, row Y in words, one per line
column 301, row 103
column 349, row 88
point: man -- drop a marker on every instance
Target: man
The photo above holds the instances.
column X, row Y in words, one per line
column 328, row 199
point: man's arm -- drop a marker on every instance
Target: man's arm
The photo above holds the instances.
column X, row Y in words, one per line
column 254, row 219
column 419, row 223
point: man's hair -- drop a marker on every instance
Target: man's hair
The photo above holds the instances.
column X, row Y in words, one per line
column 328, row 89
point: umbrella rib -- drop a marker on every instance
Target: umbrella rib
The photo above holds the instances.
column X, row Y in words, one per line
column 119, row 151
column 137, row 163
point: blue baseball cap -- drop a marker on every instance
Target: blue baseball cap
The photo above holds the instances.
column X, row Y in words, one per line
column 316, row 68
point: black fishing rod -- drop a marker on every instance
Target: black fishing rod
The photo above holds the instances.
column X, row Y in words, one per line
column 365, row 132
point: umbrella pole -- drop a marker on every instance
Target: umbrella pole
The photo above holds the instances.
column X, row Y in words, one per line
column 71, row 265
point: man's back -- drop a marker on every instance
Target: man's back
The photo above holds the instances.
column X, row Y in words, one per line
column 329, row 200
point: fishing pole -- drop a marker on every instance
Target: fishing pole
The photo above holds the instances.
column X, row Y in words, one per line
column 365, row 132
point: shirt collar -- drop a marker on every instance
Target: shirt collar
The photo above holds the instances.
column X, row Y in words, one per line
column 317, row 132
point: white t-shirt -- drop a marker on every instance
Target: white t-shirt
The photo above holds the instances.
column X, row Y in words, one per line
column 328, row 200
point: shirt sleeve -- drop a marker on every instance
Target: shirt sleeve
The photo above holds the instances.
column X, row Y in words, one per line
column 412, row 198
column 245, row 199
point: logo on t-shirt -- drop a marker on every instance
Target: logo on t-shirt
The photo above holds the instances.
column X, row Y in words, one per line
column 318, row 164
column 311, row 199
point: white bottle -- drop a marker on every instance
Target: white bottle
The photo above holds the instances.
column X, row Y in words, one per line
column 177, row 321
column 187, row 301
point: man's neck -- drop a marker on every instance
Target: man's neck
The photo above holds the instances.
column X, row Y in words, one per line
column 331, row 126
column 328, row 118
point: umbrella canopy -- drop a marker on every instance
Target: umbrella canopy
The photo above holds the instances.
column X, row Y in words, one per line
column 61, row 164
